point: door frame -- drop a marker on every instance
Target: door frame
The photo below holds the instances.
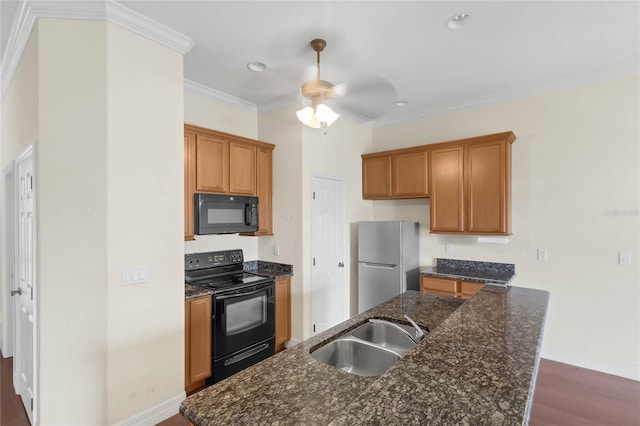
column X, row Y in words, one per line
column 345, row 246
column 30, row 151
column 8, row 260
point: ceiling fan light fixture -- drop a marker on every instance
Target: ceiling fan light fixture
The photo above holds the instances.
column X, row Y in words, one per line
column 318, row 114
column 307, row 116
column 324, row 114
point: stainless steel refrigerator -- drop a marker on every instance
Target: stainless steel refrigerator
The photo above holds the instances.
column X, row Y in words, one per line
column 388, row 261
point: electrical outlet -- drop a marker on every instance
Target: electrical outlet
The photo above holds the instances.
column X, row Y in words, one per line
column 542, row 255
column 624, row 258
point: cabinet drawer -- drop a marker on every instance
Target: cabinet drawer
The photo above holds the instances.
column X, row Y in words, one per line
column 433, row 285
column 468, row 289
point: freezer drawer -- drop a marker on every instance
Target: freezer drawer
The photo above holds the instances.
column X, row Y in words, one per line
column 377, row 283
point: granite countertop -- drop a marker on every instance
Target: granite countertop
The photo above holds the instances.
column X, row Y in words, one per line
column 469, row 270
column 269, row 269
column 478, row 366
column 193, row 292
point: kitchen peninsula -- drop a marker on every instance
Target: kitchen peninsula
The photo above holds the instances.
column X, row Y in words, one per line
column 478, row 366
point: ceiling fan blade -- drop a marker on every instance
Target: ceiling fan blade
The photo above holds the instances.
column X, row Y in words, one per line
column 369, row 96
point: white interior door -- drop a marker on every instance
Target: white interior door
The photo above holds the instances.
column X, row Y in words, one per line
column 328, row 293
column 23, row 379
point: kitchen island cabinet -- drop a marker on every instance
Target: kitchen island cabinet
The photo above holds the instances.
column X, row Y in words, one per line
column 477, row 366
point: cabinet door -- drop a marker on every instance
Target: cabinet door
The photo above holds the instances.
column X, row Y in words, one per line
column 376, row 177
column 283, row 312
column 468, row 288
column 410, row 174
column 439, row 286
column 487, row 180
column 265, row 191
column 447, row 190
column 242, row 168
column 212, row 164
column 189, row 182
column 197, row 340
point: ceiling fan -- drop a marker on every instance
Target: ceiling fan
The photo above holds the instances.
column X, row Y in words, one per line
column 318, row 114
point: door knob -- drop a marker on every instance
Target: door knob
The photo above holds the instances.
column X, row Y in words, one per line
column 340, row 264
column 18, row 292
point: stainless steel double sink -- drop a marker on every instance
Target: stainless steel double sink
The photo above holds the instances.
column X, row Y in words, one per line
column 370, row 349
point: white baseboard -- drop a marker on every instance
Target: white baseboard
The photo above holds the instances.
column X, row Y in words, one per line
column 627, row 371
column 154, row 415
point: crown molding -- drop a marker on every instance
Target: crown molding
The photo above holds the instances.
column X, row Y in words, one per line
column 574, row 82
column 106, row 10
column 217, row 96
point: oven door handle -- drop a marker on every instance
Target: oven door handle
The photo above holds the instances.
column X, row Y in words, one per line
column 247, row 354
column 249, row 293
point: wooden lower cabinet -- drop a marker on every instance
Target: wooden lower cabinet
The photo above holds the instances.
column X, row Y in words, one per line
column 283, row 312
column 197, row 365
column 451, row 288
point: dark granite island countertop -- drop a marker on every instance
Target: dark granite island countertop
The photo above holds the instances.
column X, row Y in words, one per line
column 478, row 366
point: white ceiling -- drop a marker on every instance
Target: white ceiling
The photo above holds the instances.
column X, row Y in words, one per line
column 380, row 52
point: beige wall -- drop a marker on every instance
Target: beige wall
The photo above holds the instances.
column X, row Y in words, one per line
column 71, row 222
column 300, row 153
column 280, row 127
column 145, row 322
column 575, row 158
column 107, row 115
column 205, row 113
column 19, row 129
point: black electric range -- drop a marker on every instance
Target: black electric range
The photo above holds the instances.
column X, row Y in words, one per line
column 243, row 310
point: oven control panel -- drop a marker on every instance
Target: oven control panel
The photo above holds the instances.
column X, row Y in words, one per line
column 212, row 259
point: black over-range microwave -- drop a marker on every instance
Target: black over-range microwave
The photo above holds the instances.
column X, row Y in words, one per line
column 225, row 214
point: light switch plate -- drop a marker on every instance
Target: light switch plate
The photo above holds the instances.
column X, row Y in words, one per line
column 137, row 275
column 624, row 258
column 542, row 255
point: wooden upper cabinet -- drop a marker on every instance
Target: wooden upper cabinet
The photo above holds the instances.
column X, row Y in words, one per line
column 447, row 177
column 395, row 174
column 410, row 174
column 376, row 176
column 487, row 181
column 222, row 163
column 264, row 179
column 212, row 164
column 189, row 183
column 242, row 168
column 471, row 186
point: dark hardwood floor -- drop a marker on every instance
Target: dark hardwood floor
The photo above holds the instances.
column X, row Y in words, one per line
column 11, row 410
column 565, row 396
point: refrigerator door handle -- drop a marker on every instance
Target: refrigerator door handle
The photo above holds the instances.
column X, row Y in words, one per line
column 378, row 265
